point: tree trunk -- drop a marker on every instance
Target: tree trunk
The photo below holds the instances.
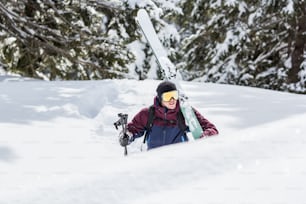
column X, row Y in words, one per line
column 300, row 44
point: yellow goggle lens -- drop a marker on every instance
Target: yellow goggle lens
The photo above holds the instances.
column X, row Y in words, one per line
column 170, row 94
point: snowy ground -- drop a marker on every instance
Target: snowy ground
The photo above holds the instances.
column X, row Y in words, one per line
column 58, row 145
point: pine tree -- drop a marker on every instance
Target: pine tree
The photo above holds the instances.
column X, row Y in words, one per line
column 244, row 42
column 63, row 40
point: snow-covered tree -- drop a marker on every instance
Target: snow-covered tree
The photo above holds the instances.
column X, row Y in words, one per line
column 81, row 39
column 254, row 43
column 76, row 39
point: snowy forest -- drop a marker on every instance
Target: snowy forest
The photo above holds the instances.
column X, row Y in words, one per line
column 242, row 42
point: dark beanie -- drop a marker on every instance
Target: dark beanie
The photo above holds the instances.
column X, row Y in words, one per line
column 165, row 86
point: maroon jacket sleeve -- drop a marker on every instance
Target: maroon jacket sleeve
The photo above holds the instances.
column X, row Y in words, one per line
column 138, row 124
column 209, row 129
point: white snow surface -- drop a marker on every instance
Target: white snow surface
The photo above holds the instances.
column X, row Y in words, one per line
column 58, row 145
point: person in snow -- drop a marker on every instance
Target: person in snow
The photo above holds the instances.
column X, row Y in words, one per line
column 167, row 125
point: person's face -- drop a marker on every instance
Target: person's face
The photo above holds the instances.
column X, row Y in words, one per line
column 169, row 99
column 170, row 104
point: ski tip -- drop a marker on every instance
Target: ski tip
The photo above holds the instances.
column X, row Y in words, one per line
column 142, row 12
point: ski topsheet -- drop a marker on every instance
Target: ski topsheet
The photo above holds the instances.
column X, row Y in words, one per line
column 169, row 70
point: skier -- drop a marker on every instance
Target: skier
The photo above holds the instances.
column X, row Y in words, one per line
column 163, row 123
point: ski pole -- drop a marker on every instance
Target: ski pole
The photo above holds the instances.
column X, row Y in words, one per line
column 123, row 123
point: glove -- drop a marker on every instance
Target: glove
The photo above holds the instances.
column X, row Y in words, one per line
column 125, row 138
column 207, row 133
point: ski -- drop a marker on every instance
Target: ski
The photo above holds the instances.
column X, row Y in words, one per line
column 147, row 28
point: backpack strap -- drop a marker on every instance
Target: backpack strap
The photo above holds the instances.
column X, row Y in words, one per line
column 181, row 122
column 149, row 122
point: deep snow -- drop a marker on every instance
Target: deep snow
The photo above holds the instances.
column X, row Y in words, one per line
column 58, row 145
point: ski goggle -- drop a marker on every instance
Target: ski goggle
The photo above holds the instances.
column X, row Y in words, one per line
column 167, row 96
